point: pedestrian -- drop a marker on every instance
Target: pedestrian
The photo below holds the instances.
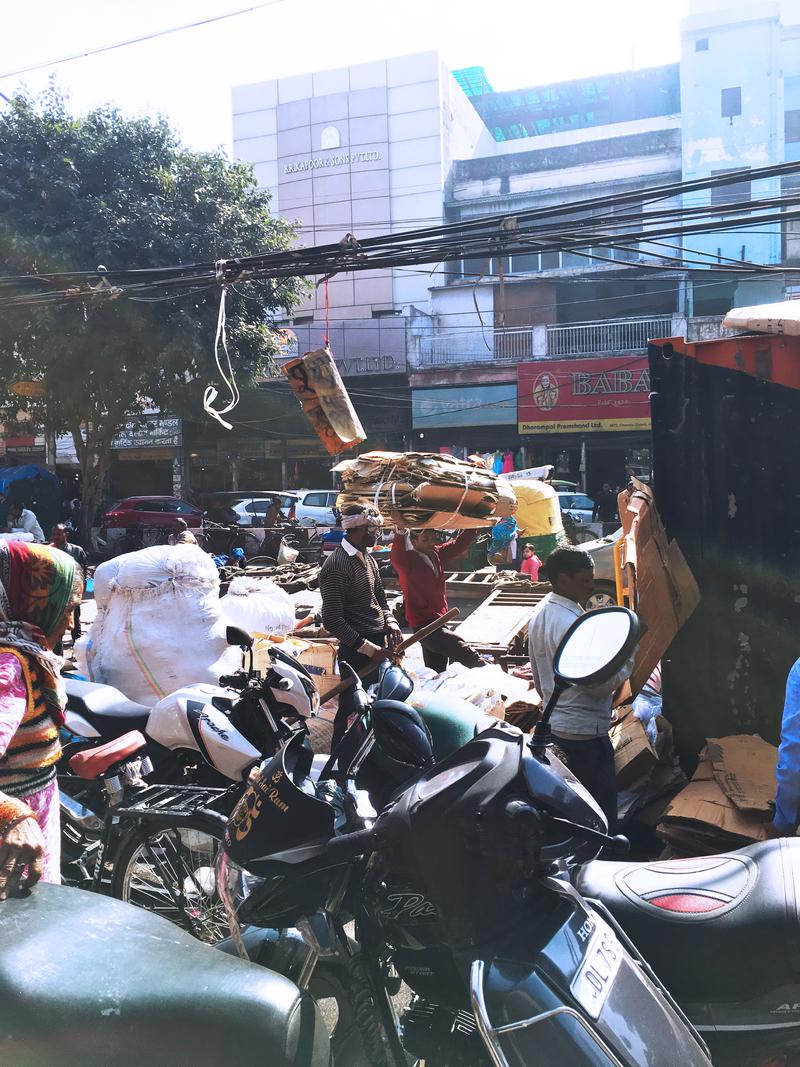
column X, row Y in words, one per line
column 787, row 773
column 582, row 717
column 531, row 563
column 20, row 518
column 59, row 538
column 354, row 607
column 181, row 535
column 38, row 588
column 605, row 508
column 420, row 564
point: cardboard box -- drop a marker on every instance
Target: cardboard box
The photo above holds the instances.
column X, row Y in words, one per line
column 317, row 655
column 744, row 769
column 634, row 756
column 702, row 820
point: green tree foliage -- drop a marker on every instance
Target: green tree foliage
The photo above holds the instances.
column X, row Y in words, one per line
column 78, row 192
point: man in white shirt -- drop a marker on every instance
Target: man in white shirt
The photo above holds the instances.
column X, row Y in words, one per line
column 20, row 518
column 582, row 717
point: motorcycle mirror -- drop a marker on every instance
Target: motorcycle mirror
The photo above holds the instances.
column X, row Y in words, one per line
column 235, row 636
column 596, row 645
column 591, row 651
column 401, row 734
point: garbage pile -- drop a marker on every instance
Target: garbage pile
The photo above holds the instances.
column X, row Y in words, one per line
column 729, row 801
column 426, row 490
column 488, row 688
column 291, row 577
column 646, row 768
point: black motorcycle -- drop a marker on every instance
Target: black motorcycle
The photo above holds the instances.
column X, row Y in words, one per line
column 459, row 889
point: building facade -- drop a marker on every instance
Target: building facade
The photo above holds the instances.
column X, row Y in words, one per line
column 538, row 357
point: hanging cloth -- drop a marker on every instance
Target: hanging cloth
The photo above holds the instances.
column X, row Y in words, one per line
column 497, row 463
column 508, row 463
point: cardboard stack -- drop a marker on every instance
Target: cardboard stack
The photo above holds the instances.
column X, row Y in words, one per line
column 317, row 384
column 647, row 775
column 728, row 803
column 426, row 490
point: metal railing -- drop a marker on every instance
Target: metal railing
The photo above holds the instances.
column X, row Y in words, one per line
column 606, row 337
column 476, row 346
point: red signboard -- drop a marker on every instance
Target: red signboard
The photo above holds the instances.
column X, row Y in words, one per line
column 584, row 395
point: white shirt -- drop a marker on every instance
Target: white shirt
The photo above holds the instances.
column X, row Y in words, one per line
column 351, row 550
column 582, row 711
column 30, row 524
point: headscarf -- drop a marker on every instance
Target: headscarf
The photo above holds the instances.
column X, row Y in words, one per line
column 37, row 583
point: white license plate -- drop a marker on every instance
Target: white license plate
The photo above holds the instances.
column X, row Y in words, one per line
column 598, row 968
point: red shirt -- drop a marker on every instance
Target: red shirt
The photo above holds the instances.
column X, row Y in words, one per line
column 422, row 577
column 530, row 566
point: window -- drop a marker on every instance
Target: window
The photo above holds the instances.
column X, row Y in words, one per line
column 701, row 44
column 525, row 264
column 791, row 125
column 181, row 507
column 735, row 193
column 150, row 505
column 315, row 500
column 731, row 102
column 258, row 507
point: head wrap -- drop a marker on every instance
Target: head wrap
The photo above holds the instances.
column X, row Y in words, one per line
column 368, row 517
column 37, row 584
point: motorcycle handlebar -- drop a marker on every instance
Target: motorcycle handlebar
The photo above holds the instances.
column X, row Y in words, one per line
column 350, row 846
column 234, row 681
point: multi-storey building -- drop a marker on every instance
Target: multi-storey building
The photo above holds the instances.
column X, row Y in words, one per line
column 522, row 355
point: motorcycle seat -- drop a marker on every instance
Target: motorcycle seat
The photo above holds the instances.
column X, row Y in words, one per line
column 86, row 981
column 93, row 762
column 710, row 927
column 105, row 708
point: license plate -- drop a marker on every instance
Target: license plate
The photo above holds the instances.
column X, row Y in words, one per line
column 598, row 968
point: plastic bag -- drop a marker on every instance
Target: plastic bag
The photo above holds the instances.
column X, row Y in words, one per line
column 257, row 605
column 646, row 707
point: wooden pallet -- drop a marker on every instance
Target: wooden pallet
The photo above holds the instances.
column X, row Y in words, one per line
column 500, row 623
column 478, row 584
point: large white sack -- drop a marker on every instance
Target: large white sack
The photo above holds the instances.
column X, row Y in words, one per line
column 160, row 625
column 257, row 605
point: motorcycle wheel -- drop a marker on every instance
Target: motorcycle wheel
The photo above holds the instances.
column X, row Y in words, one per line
column 170, row 870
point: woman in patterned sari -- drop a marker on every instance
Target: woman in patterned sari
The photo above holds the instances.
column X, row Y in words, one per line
column 39, row 587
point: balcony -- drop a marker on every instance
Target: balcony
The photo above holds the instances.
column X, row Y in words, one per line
column 522, row 344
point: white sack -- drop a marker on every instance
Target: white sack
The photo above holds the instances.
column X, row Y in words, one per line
column 257, row 605
column 159, row 625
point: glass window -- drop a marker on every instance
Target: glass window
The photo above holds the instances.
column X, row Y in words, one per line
column 582, row 502
column 731, row 102
column 551, row 260
column 315, row 500
column 181, row 507
column 525, row 264
column 150, row 505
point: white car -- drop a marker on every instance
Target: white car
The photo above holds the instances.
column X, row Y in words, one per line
column 316, row 507
column 605, row 583
column 251, row 511
column 578, row 506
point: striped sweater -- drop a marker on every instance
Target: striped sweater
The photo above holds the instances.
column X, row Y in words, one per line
column 353, row 599
column 29, row 755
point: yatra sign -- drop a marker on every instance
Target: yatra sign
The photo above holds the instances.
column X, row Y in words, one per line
column 584, row 395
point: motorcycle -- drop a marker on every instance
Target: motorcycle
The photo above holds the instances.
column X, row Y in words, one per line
column 145, row 792
column 459, row 889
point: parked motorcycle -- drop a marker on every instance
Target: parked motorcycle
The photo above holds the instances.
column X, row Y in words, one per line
column 459, row 889
column 145, row 793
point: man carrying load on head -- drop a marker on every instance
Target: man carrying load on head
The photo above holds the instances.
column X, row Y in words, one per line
column 354, row 607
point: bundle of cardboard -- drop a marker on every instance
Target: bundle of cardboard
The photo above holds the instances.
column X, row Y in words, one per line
column 728, row 803
column 317, row 384
column 425, row 490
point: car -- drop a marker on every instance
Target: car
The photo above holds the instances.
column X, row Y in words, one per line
column 162, row 512
column 605, row 581
column 252, row 510
column 317, row 507
column 578, row 506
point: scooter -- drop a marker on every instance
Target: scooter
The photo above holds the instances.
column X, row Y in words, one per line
column 458, row 888
column 86, row 981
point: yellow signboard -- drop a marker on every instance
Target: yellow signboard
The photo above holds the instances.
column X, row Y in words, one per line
column 584, row 426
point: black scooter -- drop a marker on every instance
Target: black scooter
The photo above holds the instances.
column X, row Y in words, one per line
column 459, row 889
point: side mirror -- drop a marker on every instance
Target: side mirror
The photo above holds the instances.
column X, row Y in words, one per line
column 235, row 636
column 591, row 652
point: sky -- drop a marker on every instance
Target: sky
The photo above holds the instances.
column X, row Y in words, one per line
column 187, row 76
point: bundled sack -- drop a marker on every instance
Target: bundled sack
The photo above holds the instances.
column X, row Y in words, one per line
column 317, row 384
column 422, row 490
column 257, row 605
column 160, row 624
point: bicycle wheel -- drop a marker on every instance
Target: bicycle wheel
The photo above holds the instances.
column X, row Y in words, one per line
column 170, row 870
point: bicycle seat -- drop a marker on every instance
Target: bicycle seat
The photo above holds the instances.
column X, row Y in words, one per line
column 93, row 762
column 86, row 981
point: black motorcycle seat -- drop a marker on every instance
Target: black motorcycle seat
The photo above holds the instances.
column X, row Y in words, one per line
column 86, row 981
column 105, row 708
column 713, row 926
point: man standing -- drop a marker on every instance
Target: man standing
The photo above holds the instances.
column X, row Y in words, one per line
column 582, row 717
column 787, row 773
column 354, row 607
column 59, row 538
column 605, row 508
column 419, row 563
column 20, row 518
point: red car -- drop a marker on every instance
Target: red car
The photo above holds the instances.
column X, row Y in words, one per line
column 152, row 511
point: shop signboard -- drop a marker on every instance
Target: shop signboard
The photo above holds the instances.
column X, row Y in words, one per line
column 607, row 393
column 472, row 405
column 152, row 431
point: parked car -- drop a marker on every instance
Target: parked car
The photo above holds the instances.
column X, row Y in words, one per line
column 605, row 582
column 578, row 506
column 251, row 511
column 162, row 512
column 317, row 507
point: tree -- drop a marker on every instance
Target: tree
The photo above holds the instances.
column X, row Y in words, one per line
column 78, row 192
